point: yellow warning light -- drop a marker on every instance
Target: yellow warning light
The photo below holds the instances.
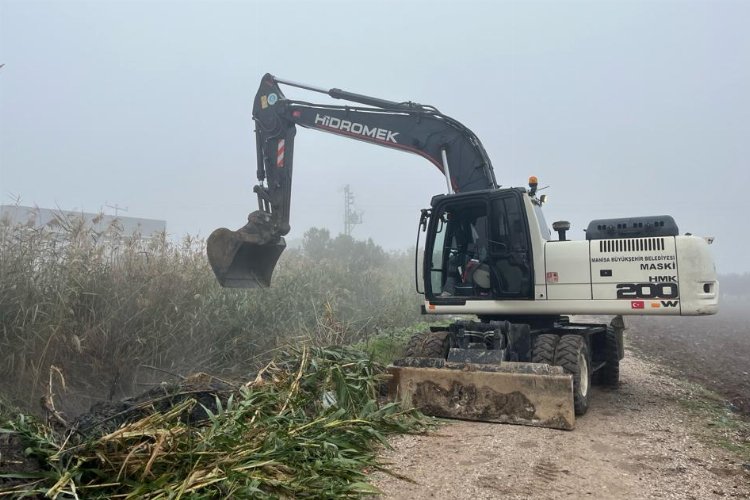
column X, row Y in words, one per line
column 532, row 185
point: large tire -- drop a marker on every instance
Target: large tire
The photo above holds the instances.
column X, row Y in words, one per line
column 619, row 325
column 609, row 374
column 428, row 345
column 544, row 348
column 572, row 354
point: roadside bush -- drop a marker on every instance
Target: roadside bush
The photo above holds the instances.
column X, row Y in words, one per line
column 113, row 313
column 389, row 343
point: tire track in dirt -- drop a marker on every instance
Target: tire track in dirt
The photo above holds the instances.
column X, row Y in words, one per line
column 635, row 442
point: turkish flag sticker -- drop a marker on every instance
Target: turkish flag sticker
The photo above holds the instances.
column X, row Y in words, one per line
column 636, row 304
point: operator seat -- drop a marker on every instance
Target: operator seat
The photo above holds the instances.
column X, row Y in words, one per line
column 511, row 263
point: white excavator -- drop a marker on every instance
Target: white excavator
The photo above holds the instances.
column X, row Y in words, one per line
column 489, row 256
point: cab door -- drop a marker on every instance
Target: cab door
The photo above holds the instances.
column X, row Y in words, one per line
column 510, row 247
column 457, row 248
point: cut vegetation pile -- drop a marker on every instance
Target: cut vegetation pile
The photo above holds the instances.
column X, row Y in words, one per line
column 304, row 426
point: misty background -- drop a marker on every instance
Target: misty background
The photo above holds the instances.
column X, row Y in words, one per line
column 622, row 108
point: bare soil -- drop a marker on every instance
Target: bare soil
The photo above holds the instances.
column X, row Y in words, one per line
column 638, row 441
column 713, row 351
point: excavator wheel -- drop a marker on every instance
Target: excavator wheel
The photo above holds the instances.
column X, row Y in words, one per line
column 618, row 324
column 572, row 355
column 544, row 348
column 609, row 374
column 428, row 345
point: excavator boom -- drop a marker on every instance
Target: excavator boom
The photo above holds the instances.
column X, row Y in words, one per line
column 246, row 258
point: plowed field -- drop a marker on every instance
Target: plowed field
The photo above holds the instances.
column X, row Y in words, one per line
column 711, row 350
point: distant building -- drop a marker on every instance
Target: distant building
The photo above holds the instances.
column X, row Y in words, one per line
column 41, row 217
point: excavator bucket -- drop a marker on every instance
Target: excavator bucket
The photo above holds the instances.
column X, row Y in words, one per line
column 243, row 259
column 516, row 393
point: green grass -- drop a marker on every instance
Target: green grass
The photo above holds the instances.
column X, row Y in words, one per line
column 389, row 344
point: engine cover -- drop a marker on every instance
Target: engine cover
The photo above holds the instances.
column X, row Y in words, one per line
column 632, row 227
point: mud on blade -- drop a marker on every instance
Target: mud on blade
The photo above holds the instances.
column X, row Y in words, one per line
column 243, row 259
column 514, row 393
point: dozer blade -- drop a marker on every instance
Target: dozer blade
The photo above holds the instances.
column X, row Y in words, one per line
column 241, row 259
column 514, row 393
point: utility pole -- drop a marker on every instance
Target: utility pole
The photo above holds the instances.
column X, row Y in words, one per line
column 351, row 216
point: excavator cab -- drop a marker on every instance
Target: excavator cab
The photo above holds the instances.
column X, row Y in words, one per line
column 478, row 247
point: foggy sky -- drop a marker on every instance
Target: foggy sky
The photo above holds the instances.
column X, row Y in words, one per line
column 622, row 108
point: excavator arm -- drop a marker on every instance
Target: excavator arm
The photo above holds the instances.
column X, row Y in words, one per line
column 246, row 258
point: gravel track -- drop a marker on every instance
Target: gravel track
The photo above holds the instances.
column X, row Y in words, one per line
column 637, row 441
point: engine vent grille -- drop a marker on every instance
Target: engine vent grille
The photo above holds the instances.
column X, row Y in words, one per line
column 631, row 245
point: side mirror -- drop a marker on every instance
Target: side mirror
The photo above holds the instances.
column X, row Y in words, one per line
column 543, row 199
column 423, row 218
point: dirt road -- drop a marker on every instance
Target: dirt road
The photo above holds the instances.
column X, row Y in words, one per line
column 640, row 441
